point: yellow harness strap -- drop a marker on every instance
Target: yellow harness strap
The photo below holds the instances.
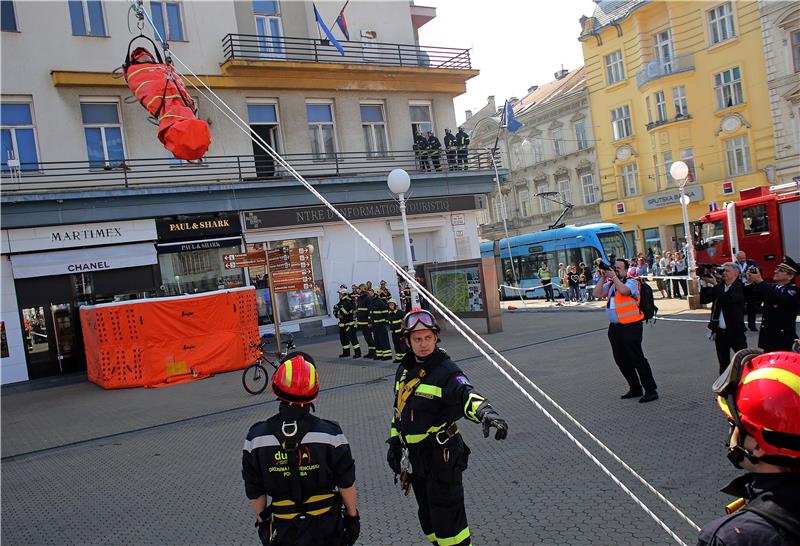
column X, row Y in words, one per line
column 406, row 389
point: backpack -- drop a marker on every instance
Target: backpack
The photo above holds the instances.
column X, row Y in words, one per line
column 647, row 304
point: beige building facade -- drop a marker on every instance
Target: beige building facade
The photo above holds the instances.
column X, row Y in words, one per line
column 551, row 160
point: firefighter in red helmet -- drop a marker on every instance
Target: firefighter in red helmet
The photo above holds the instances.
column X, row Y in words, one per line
column 760, row 395
column 302, row 464
column 426, row 449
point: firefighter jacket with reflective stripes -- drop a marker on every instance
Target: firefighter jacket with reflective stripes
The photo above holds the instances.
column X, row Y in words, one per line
column 346, row 311
column 431, row 396
column 325, row 463
column 395, row 320
column 362, row 310
column 377, row 310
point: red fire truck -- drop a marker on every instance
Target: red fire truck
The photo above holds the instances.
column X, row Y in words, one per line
column 765, row 224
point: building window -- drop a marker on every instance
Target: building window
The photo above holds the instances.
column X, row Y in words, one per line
column 544, row 203
column 589, row 189
column 87, row 17
column 18, row 136
column 558, row 144
column 680, row 102
column 661, row 107
column 524, row 206
column 663, row 49
column 795, row 49
column 580, row 135
column 630, row 179
column 321, row 130
column 564, row 189
column 728, row 86
column 687, row 156
column 169, row 13
column 615, row 71
column 649, row 109
column 374, row 127
column 8, row 16
column 497, row 208
column 657, row 170
column 621, row 122
column 103, row 131
column 720, row 23
column 667, row 165
column 269, row 28
column 737, row 154
column 421, row 118
column 538, row 151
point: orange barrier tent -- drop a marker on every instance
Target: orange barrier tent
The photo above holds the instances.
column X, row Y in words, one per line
column 163, row 341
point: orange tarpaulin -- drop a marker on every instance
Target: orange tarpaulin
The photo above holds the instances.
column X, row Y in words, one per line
column 163, row 341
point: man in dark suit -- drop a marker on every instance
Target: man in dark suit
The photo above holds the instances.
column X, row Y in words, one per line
column 751, row 302
column 727, row 311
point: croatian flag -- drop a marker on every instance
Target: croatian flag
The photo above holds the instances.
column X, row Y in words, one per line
column 342, row 22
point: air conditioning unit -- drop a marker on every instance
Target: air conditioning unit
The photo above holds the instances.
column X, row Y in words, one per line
column 728, row 187
column 621, row 207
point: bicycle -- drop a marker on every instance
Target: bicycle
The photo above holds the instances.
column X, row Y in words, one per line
column 256, row 377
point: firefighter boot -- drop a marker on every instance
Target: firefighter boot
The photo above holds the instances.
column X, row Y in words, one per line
column 345, row 353
column 357, row 353
column 371, row 354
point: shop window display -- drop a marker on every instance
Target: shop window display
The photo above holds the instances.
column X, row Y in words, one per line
column 197, row 271
column 295, row 304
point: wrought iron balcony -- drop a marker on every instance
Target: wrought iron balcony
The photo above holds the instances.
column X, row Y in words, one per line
column 657, row 69
column 309, row 50
column 130, row 173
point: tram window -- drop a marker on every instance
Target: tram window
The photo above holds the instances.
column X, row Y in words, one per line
column 527, row 268
column 755, row 220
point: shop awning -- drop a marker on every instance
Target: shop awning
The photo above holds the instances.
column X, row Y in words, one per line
column 84, row 260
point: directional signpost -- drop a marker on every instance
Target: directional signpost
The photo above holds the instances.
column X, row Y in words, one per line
column 289, row 270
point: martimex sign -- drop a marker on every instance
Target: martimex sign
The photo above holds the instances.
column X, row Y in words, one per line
column 198, row 226
column 80, row 235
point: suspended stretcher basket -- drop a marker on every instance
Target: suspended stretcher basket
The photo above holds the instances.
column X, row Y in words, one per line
column 161, row 91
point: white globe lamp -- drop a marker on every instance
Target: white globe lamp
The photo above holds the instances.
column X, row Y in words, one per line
column 685, row 200
column 399, row 181
column 679, row 170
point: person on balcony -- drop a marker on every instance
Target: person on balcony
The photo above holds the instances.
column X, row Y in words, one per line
column 462, row 145
column 435, row 150
column 450, row 146
column 421, row 152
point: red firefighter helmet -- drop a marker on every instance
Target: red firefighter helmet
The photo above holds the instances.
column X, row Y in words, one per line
column 295, row 381
column 767, row 399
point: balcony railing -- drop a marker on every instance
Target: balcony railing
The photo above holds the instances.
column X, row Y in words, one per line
column 657, row 69
column 131, row 173
column 309, row 50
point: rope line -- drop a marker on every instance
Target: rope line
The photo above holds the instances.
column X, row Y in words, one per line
column 449, row 315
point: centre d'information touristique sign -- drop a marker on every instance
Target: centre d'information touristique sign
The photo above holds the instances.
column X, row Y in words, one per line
column 317, row 214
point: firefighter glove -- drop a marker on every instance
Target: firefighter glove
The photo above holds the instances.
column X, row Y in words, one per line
column 352, row 528
column 263, row 532
column 490, row 418
column 395, row 454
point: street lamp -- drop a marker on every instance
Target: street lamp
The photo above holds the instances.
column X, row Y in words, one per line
column 680, row 172
column 399, row 182
column 178, row 281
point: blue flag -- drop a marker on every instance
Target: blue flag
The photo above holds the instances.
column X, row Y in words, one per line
column 507, row 120
column 327, row 31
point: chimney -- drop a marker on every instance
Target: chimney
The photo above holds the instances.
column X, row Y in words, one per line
column 490, row 103
column 532, row 88
column 469, row 114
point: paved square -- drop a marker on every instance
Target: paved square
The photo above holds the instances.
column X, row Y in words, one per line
column 162, row 466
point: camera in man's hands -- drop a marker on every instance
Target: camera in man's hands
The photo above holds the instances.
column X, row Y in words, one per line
column 753, row 270
column 709, row 271
column 604, row 266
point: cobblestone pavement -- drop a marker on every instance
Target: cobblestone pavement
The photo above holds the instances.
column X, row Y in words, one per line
column 162, row 466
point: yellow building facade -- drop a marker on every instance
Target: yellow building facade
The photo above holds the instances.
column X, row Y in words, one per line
column 673, row 81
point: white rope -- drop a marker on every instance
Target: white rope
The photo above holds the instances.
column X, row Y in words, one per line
column 438, row 306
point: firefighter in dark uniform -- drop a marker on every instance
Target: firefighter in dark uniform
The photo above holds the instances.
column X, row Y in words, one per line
column 450, row 147
column 362, row 320
column 781, row 304
column 380, row 328
column 345, row 312
column 405, row 299
column 431, row 394
column 421, row 148
column 435, row 150
column 462, row 145
column 303, row 464
column 383, row 292
column 758, row 393
column 394, row 318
